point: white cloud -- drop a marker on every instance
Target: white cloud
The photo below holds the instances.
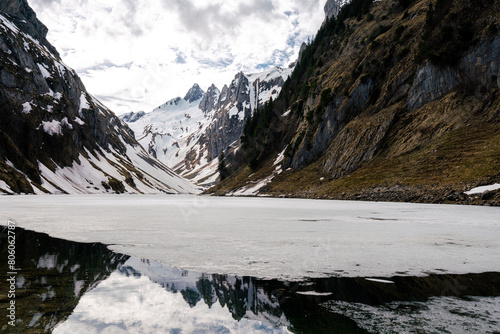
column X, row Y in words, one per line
column 136, row 54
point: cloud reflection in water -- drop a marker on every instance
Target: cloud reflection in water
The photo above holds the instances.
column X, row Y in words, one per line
column 130, row 302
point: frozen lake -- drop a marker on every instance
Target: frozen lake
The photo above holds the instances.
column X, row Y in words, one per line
column 68, row 287
column 273, row 238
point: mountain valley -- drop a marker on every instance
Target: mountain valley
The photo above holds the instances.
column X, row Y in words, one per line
column 394, row 100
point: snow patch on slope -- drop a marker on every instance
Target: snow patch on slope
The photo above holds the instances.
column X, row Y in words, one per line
column 252, row 188
column 46, row 74
column 84, row 104
column 482, row 189
column 27, row 107
column 89, row 175
column 4, row 187
column 52, row 128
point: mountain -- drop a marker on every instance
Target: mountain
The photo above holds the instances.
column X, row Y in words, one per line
column 132, row 116
column 55, row 137
column 393, row 100
column 188, row 134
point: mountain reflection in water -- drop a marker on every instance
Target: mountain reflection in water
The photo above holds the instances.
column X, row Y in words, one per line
column 66, row 286
column 69, row 287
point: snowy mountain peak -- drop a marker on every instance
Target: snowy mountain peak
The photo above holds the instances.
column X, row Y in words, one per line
column 195, row 93
column 209, row 100
column 132, row 117
column 171, row 103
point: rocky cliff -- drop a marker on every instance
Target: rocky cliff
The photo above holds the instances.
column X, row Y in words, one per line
column 25, row 18
column 393, row 100
column 54, row 136
column 332, row 8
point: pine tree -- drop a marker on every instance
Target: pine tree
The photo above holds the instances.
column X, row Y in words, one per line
column 222, row 168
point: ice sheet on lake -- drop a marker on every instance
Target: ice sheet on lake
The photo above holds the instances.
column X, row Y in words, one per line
column 273, row 238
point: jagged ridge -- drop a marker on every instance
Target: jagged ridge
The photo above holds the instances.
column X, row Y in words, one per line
column 189, row 133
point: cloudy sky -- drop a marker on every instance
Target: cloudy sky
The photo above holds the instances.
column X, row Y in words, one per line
column 137, row 54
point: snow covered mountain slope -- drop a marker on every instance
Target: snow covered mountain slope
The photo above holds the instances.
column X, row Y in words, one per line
column 188, row 134
column 54, row 136
column 171, row 130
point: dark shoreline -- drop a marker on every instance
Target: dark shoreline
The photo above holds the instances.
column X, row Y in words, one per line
column 396, row 194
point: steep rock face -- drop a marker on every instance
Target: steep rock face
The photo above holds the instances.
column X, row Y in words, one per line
column 303, row 47
column 332, row 8
column 357, row 143
column 431, row 82
column 54, row 136
column 476, row 70
column 334, row 118
column 24, row 17
column 233, row 108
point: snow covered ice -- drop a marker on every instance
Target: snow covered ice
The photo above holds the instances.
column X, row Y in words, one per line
column 273, row 238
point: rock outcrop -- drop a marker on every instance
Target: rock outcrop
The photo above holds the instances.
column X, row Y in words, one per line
column 332, row 8
column 132, row 117
column 24, row 17
column 210, row 99
column 303, row 47
column 477, row 70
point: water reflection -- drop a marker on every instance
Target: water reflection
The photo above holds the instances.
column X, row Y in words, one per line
column 73, row 287
column 68, row 287
column 54, row 275
column 161, row 299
